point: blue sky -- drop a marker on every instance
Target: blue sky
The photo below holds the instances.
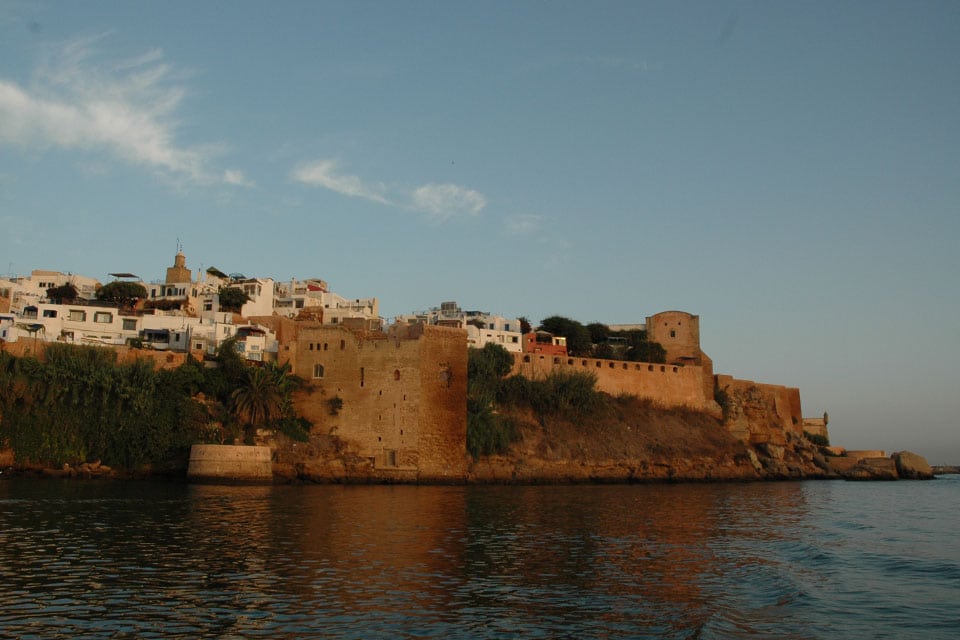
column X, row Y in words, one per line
column 790, row 171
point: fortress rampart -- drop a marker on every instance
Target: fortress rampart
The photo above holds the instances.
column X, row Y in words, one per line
column 668, row 385
column 759, row 413
column 398, row 399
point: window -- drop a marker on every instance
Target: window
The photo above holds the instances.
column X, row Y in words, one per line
column 129, row 324
column 343, row 343
column 673, row 333
column 49, row 313
column 311, row 346
column 318, row 370
column 198, row 346
column 78, row 316
column 361, row 376
column 102, row 317
column 396, row 374
column 526, row 358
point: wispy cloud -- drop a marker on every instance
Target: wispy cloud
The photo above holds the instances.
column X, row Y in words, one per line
column 234, row 177
column 438, row 201
column 323, row 173
column 523, row 223
column 127, row 111
column 443, row 201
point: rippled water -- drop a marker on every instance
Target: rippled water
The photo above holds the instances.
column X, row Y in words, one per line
column 788, row 560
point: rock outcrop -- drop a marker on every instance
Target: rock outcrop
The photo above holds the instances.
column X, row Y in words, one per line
column 912, row 466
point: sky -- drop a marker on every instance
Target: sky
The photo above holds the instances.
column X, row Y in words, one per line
column 788, row 171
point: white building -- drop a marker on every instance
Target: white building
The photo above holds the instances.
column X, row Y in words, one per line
column 25, row 290
column 482, row 327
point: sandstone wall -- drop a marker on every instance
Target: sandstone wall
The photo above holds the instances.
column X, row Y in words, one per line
column 678, row 332
column 760, row 413
column 220, row 462
column 161, row 359
column 666, row 384
column 403, row 399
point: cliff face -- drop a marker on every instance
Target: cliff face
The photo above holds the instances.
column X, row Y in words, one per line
column 636, row 442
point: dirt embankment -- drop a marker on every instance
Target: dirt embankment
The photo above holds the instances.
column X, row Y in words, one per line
column 634, row 441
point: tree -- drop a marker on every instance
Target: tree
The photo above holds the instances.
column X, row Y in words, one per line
column 525, row 325
column 577, row 335
column 604, row 351
column 122, row 293
column 232, row 299
column 647, row 352
column 598, row 332
column 257, row 400
column 64, row 293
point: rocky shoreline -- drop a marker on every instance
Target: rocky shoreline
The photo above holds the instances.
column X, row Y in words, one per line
column 644, row 445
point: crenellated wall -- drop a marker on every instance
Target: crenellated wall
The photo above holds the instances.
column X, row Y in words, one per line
column 668, row 385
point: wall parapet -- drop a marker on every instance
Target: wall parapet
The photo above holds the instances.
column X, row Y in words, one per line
column 669, row 385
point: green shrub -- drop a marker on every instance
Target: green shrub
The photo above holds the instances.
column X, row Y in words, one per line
column 334, row 405
column 817, row 439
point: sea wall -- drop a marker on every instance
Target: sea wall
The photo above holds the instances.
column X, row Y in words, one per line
column 229, row 463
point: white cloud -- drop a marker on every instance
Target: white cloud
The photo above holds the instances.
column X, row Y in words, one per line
column 235, row 177
column 127, row 112
column 324, row 174
column 438, row 201
column 442, row 201
column 524, row 223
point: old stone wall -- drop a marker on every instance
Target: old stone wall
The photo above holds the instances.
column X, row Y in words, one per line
column 667, row 385
column 400, row 400
column 760, row 413
column 678, row 332
column 161, row 359
column 220, row 462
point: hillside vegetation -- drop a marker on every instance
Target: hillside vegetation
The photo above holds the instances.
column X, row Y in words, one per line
column 78, row 404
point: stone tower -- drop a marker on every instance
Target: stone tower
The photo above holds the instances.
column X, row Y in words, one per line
column 178, row 272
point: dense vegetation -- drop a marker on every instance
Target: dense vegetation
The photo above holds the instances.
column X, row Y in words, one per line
column 492, row 398
column 78, row 404
column 122, row 293
column 232, row 299
column 598, row 341
column 63, row 294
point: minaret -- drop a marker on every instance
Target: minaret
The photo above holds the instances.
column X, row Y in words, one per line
column 178, row 272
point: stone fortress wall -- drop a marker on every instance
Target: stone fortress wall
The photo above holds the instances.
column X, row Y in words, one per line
column 667, row 385
column 685, row 381
column 398, row 398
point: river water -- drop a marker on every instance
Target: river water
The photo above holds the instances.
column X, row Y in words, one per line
column 92, row 559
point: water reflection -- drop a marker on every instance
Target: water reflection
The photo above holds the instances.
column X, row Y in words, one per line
column 159, row 560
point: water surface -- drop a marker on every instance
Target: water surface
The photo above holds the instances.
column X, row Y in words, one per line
column 790, row 560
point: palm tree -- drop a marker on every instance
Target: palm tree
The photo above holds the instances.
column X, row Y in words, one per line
column 258, row 399
column 287, row 382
